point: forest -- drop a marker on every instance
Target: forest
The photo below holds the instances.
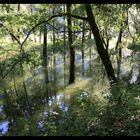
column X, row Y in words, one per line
column 69, row 69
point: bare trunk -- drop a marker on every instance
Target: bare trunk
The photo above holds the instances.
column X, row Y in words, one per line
column 72, row 52
column 119, row 62
column 18, row 30
column 45, row 58
column 54, row 58
column 119, row 52
column 82, row 45
column 100, row 47
column 45, row 63
column 64, row 49
column 40, row 35
column 90, row 52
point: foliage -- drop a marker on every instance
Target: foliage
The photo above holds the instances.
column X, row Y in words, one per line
column 119, row 117
column 82, row 116
column 118, row 113
column 122, row 111
column 134, row 46
column 59, row 47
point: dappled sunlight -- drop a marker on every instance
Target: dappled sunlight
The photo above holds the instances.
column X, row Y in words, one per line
column 68, row 71
column 80, row 84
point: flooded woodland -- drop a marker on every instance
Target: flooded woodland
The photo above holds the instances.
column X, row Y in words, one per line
column 69, row 70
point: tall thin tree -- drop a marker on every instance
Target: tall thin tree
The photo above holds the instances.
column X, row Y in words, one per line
column 72, row 51
column 82, row 45
column 99, row 44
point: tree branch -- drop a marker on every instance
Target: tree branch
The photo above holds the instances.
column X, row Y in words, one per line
column 13, row 36
column 54, row 16
column 8, row 50
column 21, row 44
column 15, row 63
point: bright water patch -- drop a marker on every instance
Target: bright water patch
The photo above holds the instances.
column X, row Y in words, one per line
column 86, row 64
column 3, row 124
column 3, row 127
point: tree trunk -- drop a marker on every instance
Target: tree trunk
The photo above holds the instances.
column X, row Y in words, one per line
column 54, row 59
column 119, row 62
column 100, row 47
column 25, row 89
column 8, row 11
column 45, row 58
column 82, row 45
column 72, row 52
column 45, row 63
column 8, row 8
column 64, row 49
column 119, row 39
column 40, row 35
column 90, row 51
column 74, row 24
column 18, row 30
column 119, row 52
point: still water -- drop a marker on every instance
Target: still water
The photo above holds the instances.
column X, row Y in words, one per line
column 41, row 97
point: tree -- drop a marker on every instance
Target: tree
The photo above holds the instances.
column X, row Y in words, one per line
column 99, row 44
column 82, row 45
column 72, row 51
column 54, row 43
column 18, row 10
column 45, row 54
column 64, row 37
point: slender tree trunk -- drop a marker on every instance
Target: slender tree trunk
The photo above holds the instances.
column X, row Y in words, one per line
column 54, row 58
column 34, row 34
column 72, row 52
column 26, row 96
column 51, row 63
column 31, row 10
column 45, row 63
column 119, row 52
column 25, row 89
column 8, row 11
column 14, row 81
column 100, row 47
column 2, row 9
column 74, row 24
column 119, row 39
column 90, row 51
column 119, row 62
column 82, row 45
column 45, row 58
column 127, row 22
column 18, row 30
column 64, row 48
column 7, row 107
column 34, row 75
column 40, row 35
column 45, row 45
column 8, row 8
